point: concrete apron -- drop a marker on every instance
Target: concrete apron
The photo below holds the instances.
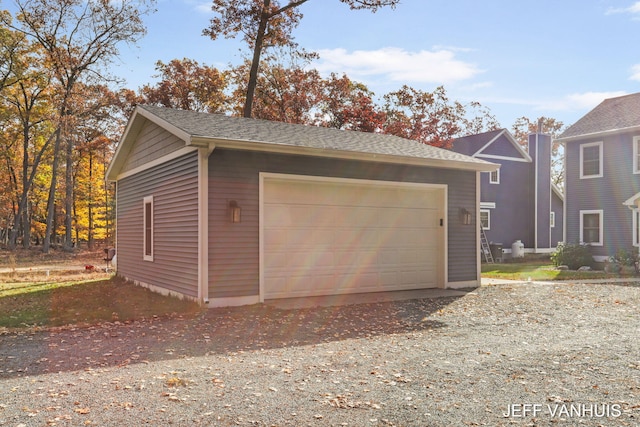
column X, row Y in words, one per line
column 373, row 297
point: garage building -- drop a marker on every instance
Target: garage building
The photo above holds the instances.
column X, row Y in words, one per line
column 232, row 211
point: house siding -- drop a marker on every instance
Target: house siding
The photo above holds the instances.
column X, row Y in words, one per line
column 512, row 216
column 174, row 187
column 557, row 235
column 501, row 147
column 234, row 175
column 153, row 142
column 607, row 193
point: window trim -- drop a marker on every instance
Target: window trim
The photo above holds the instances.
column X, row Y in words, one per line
column 147, row 229
column 552, row 219
column 600, row 159
column 636, row 154
column 497, row 180
column 600, row 213
column 488, row 212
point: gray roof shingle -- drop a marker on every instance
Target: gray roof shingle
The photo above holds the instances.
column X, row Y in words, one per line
column 221, row 127
column 610, row 115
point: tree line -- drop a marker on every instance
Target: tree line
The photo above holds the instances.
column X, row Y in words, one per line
column 62, row 113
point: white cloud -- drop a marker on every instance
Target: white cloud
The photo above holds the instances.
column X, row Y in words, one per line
column 579, row 101
column 634, row 9
column 200, row 6
column 635, row 72
column 397, row 65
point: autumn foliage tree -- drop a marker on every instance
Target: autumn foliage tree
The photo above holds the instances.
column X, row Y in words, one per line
column 265, row 24
column 525, row 126
column 187, row 85
column 428, row 117
column 349, row 105
column 77, row 38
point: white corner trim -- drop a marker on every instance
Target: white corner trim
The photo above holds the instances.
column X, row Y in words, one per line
column 203, row 224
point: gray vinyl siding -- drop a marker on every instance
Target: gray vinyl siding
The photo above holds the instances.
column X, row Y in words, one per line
column 234, row 175
column 557, row 231
column 607, row 193
column 512, row 218
column 502, row 147
column 174, row 187
column 152, row 143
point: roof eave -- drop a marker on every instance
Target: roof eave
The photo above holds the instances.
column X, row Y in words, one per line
column 598, row 134
column 348, row 155
column 131, row 132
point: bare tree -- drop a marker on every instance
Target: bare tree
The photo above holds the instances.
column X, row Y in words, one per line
column 266, row 23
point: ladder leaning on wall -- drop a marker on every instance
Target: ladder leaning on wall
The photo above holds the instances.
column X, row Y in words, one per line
column 486, row 249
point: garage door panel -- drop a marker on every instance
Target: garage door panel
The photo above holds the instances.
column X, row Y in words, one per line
column 324, row 238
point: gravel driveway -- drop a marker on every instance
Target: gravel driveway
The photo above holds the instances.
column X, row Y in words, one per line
column 516, row 354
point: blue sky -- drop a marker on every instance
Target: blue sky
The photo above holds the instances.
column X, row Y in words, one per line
column 532, row 58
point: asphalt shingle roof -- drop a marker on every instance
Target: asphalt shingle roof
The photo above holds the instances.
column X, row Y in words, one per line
column 610, row 115
column 221, row 127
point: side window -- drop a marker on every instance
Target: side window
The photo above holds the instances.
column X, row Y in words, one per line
column 552, row 219
column 494, row 177
column 591, row 160
column 148, row 228
column 591, row 227
column 485, row 219
column 636, row 154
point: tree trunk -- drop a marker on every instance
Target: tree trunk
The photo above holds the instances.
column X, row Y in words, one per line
column 90, row 213
column 68, row 199
column 46, row 244
column 255, row 62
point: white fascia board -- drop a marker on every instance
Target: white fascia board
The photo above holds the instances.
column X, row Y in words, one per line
column 165, row 125
column 558, row 191
column 133, row 128
column 349, row 155
column 505, row 158
column 598, row 134
column 505, row 132
column 632, row 201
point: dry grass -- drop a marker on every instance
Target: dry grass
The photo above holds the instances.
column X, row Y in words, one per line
column 60, row 288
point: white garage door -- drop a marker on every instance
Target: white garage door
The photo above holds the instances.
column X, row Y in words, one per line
column 345, row 236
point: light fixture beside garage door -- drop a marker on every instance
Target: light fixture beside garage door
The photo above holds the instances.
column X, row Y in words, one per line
column 234, row 211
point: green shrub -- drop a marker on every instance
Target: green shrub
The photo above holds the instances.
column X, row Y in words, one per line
column 572, row 255
column 627, row 257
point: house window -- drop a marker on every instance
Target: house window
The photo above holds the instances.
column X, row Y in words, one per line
column 591, row 160
column 591, row 227
column 494, row 177
column 552, row 219
column 636, row 154
column 485, row 219
column 148, row 228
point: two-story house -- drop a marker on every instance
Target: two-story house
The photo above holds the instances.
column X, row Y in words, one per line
column 602, row 183
column 518, row 202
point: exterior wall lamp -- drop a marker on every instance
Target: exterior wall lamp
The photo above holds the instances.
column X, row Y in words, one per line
column 234, row 211
column 465, row 216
